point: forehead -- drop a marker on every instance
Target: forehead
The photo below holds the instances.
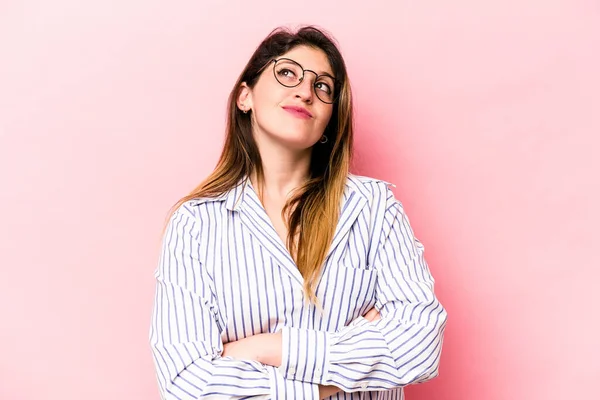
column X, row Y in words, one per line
column 310, row 58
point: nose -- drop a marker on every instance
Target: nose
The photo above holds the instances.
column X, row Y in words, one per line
column 305, row 89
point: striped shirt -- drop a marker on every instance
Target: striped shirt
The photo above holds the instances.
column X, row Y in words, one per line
column 224, row 274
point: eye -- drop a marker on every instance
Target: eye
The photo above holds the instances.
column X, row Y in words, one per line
column 286, row 73
column 323, row 86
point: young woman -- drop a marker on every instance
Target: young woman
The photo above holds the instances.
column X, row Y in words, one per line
column 282, row 275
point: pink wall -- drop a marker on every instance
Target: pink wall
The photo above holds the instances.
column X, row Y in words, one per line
column 486, row 114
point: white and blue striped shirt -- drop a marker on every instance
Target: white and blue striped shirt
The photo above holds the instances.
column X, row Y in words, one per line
column 224, row 274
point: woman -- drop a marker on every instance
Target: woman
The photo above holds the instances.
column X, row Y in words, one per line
column 283, row 275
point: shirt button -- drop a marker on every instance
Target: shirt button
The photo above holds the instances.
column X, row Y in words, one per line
column 363, row 385
column 292, row 370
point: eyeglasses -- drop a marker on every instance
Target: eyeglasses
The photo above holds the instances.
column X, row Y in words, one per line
column 291, row 74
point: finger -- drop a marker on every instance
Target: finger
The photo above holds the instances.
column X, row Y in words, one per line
column 371, row 314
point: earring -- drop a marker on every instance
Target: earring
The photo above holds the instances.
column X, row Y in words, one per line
column 324, row 139
column 245, row 111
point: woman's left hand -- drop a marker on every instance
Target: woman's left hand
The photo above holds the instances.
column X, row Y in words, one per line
column 264, row 348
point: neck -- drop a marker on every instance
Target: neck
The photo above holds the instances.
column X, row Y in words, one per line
column 284, row 170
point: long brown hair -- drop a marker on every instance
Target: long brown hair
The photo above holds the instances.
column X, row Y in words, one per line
column 314, row 208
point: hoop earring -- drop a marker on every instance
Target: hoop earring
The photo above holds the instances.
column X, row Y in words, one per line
column 323, row 139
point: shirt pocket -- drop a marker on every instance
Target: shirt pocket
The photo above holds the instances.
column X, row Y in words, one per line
column 349, row 292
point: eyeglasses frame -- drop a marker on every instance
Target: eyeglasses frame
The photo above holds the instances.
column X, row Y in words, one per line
column 317, row 76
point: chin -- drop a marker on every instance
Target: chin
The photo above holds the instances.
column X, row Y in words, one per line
column 296, row 138
column 297, row 142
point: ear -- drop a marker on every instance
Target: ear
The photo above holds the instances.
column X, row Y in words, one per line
column 244, row 101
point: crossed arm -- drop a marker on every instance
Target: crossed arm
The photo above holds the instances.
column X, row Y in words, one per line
column 266, row 348
column 401, row 347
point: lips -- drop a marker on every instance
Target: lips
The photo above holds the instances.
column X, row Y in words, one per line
column 300, row 112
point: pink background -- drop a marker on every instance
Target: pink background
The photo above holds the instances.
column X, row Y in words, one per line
column 485, row 114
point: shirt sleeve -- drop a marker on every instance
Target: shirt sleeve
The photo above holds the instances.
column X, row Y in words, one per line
column 185, row 332
column 401, row 348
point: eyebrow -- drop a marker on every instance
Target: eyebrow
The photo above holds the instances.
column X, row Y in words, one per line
column 326, row 73
column 319, row 73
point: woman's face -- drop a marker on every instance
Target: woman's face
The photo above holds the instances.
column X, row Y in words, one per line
column 292, row 117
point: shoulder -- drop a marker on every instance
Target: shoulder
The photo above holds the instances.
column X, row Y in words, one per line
column 370, row 187
column 381, row 199
column 189, row 214
column 183, row 218
column 196, row 207
column 367, row 181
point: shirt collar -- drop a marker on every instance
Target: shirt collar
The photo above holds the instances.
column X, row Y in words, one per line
column 234, row 197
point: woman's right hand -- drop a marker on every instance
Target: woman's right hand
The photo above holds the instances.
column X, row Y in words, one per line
column 372, row 315
column 325, row 391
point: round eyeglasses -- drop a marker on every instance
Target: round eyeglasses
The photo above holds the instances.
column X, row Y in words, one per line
column 291, row 74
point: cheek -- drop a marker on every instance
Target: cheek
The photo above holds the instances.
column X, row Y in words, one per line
column 325, row 120
column 268, row 95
